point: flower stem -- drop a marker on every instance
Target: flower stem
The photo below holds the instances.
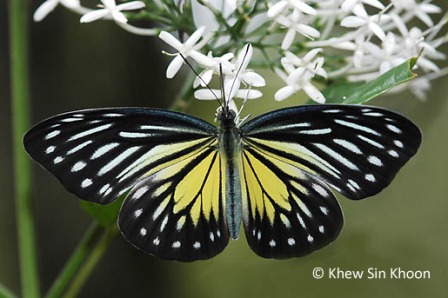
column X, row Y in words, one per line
column 94, row 256
column 6, row 293
column 85, row 247
column 18, row 17
column 185, row 95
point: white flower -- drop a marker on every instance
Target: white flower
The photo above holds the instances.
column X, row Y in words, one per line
column 298, row 80
column 314, row 66
column 233, row 79
column 219, row 64
column 187, row 49
column 48, row 6
column 204, row 17
column 240, row 73
column 357, row 6
column 111, row 9
column 292, row 23
column 369, row 23
column 284, row 5
column 420, row 10
column 299, row 73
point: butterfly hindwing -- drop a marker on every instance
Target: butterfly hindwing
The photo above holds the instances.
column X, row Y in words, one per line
column 286, row 212
column 177, row 212
column 99, row 154
column 357, row 150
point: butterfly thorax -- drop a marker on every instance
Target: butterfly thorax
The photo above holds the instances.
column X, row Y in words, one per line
column 230, row 152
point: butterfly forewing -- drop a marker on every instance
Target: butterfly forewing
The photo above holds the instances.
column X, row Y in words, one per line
column 355, row 149
column 99, row 154
column 177, row 212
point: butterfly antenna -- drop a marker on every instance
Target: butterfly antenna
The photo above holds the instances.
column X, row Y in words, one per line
column 224, row 103
column 200, row 78
column 239, row 70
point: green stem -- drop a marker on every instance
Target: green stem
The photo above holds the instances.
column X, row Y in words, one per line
column 20, row 123
column 185, row 95
column 6, row 293
column 84, row 248
column 94, row 257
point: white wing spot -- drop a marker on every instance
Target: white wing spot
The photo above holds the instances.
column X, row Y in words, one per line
column 133, row 135
column 103, row 150
column 138, row 212
column 109, row 190
column 321, row 229
column 272, row 243
column 337, row 156
column 302, row 223
column 117, row 160
column 393, row 128
column 357, row 127
column 393, row 153
column 79, row 147
column 212, row 237
column 374, row 114
column 140, row 192
column 375, row 160
column 156, row 241
column 324, row 210
column 70, row 119
column 104, row 188
column 78, row 166
column 254, row 232
column 86, row 182
column 348, row 145
column 310, row 239
column 398, row 143
column 332, row 111
column 218, row 233
column 163, row 224
column 176, row 244
column 315, row 131
column 351, row 187
column 259, row 235
column 371, row 142
column 89, row 132
column 320, row 190
column 50, row 149
column 197, row 245
column 52, row 134
column 354, row 184
column 291, row 241
column 112, row 115
column 143, row 232
column 58, row 159
column 370, row 177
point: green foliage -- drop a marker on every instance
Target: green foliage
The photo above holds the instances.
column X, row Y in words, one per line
column 358, row 93
column 105, row 215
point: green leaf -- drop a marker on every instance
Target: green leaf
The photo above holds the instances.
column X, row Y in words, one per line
column 105, row 215
column 358, row 93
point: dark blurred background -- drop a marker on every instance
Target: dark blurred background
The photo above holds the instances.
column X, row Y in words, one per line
column 76, row 66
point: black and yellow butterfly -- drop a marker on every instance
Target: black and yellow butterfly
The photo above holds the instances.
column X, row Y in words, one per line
column 191, row 183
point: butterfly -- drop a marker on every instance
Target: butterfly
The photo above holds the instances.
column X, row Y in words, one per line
column 191, row 184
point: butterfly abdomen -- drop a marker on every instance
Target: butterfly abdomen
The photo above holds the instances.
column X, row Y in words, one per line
column 230, row 152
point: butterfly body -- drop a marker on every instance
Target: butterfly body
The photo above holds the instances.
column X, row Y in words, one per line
column 192, row 184
column 230, row 153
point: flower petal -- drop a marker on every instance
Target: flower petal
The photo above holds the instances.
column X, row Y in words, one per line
column 170, row 40
column 94, row 15
column 253, row 79
column 174, row 66
column 131, row 5
column 284, row 93
column 44, row 9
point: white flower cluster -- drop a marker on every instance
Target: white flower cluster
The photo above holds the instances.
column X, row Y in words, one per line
column 302, row 41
